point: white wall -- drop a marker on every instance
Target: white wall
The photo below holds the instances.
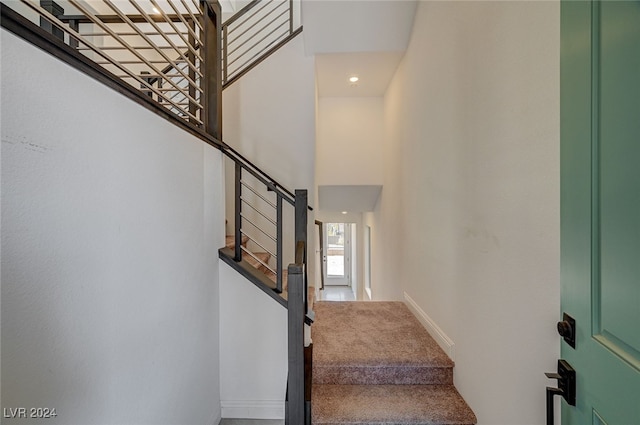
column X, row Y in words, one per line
column 111, row 218
column 349, row 151
column 253, row 349
column 269, row 117
column 469, row 212
column 350, row 138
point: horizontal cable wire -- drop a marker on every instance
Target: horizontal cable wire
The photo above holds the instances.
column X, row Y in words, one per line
column 237, row 25
column 256, row 258
column 260, row 41
column 247, row 203
column 132, row 47
column 259, row 195
column 187, row 25
column 258, row 227
column 196, row 20
column 260, row 245
column 276, row 40
column 106, row 28
column 55, row 21
column 256, row 23
column 125, row 62
column 199, row 5
column 124, row 34
column 151, row 21
column 186, row 42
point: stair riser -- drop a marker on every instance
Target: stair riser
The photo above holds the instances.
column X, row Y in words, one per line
column 392, row 375
column 389, row 405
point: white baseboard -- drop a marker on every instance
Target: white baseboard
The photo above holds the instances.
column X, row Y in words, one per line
column 252, row 409
column 434, row 330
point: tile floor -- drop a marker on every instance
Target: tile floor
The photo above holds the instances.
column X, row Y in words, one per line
column 337, row 293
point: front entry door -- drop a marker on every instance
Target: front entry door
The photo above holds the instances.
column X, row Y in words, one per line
column 337, row 251
column 600, row 157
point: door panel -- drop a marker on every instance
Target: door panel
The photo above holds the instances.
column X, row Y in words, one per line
column 600, row 151
column 337, row 254
column 618, row 143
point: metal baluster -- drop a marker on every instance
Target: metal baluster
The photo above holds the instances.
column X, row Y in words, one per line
column 238, row 226
column 279, row 245
column 290, row 17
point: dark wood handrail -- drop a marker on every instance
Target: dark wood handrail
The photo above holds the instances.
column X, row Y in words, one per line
column 266, row 178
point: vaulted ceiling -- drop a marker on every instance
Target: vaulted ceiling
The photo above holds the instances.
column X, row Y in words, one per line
column 365, row 38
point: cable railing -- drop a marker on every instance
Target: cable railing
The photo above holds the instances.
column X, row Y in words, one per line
column 257, row 30
column 154, row 46
column 259, row 217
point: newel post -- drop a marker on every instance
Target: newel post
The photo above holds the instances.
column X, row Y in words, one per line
column 212, row 72
column 301, row 214
column 295, row 405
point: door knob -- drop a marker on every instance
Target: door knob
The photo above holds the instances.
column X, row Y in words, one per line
column 564, row 329
column 567, row 329
column 566, row 377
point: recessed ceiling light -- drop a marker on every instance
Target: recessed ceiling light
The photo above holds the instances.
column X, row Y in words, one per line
column 354, row 79
column 344, row 212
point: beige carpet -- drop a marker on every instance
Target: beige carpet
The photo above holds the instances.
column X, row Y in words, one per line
column 374, row 363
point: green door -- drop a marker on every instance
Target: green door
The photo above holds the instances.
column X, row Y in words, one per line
column 600, row 157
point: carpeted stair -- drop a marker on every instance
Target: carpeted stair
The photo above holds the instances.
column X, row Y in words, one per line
column 374, row 364
column 265, row 257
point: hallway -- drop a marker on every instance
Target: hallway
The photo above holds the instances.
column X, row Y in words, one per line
column 337, row 293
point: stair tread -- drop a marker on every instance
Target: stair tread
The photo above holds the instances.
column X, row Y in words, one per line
column 377, row 343
column 311, row 296
column 230, row 241
column 389, row 404
column 271, row 275
column 263, row 256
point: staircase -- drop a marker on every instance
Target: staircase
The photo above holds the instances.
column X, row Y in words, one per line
column 260, row 261
column 374, row 363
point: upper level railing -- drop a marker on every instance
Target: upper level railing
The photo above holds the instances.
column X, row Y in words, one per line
column 153, row 46
column 156, row 46
column 257, row 30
